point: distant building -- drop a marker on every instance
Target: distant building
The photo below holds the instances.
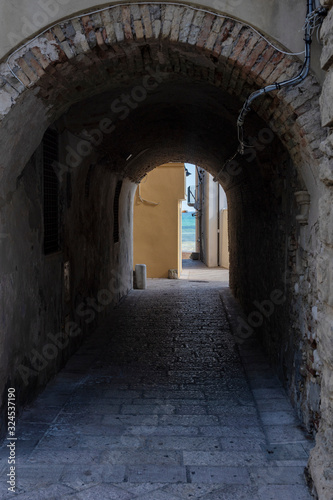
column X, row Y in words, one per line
column 210, row 201
column 157, row 220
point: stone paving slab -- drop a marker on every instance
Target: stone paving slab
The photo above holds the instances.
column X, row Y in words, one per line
column 183, row 443
column 160, row 404
column 277, row 475
column 285, row 434
column 224, row 475
column 133, row 457
column 224, row 458
column 157, row 474
column 158, row 495
column 100, row 491
column 79, row 477
column 234, row 492
column 282, row 492
column 191, row 490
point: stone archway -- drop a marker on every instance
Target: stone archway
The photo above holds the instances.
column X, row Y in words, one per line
column 78, row 58
column 136, row 47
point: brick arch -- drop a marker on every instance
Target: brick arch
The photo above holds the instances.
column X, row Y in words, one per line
column 79, row 58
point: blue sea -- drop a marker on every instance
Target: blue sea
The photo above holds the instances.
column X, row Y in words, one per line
column 188, row 232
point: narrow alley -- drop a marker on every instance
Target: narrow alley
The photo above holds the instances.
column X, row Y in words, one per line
column 160, row 404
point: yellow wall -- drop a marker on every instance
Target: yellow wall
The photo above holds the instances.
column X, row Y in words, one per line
column 157, row 229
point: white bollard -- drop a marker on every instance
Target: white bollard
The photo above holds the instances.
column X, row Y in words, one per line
column 141, row 276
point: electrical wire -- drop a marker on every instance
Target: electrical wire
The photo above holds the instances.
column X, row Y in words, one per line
column 313, row 21
column 215, row 179
column 177, row 4
column 145, row 201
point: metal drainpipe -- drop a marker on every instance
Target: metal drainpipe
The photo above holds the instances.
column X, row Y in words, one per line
column 277, row 86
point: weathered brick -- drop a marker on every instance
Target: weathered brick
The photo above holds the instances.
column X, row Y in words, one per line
column 109, row 27
column 135, row 12
column 274, row 62
column 168, row 13
column 66, row 48
column 195, row 29
column 246, row 53
column 126, row 17
column 166, row 28
column 228, row 43
column 227, row 26
column 216, row 33
column 61, row 54
column 138, row 29
column 175, row 26
column 146, row 19
column 118, row 28
column 27, row 70
column 59, row 33
column 87, row 23
column 97, row 20
column 100, row 40
column 116, row 14
column 263, row 60
column 157, row 26
column 35, row 66
column 278, row 73
column 239, row 47
column 185, row 25
column 205, row 30
column 41, row 58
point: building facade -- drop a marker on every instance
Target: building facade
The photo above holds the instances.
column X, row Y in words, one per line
column 212, row 221
column 157, row 224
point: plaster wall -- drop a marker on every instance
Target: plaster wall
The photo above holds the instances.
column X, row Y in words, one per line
column 280, row 19
column 214, row 224
column 157, row 235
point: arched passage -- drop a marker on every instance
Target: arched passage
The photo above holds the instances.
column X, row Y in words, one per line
column 126, row 90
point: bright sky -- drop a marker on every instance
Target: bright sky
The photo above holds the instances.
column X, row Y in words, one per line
column 190, row 181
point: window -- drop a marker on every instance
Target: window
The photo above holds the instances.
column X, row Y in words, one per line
column 51, row 192
column 116, row 212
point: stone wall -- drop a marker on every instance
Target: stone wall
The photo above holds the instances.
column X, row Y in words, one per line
column 49, row 302
column 100, row 268
column 31, row 291
column 321, row 461
column 273, row 273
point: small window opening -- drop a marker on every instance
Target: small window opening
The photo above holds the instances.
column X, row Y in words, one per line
column 116, row 212
column 51, row 192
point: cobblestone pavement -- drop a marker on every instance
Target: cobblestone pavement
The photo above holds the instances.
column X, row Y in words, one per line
column 157, row 405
